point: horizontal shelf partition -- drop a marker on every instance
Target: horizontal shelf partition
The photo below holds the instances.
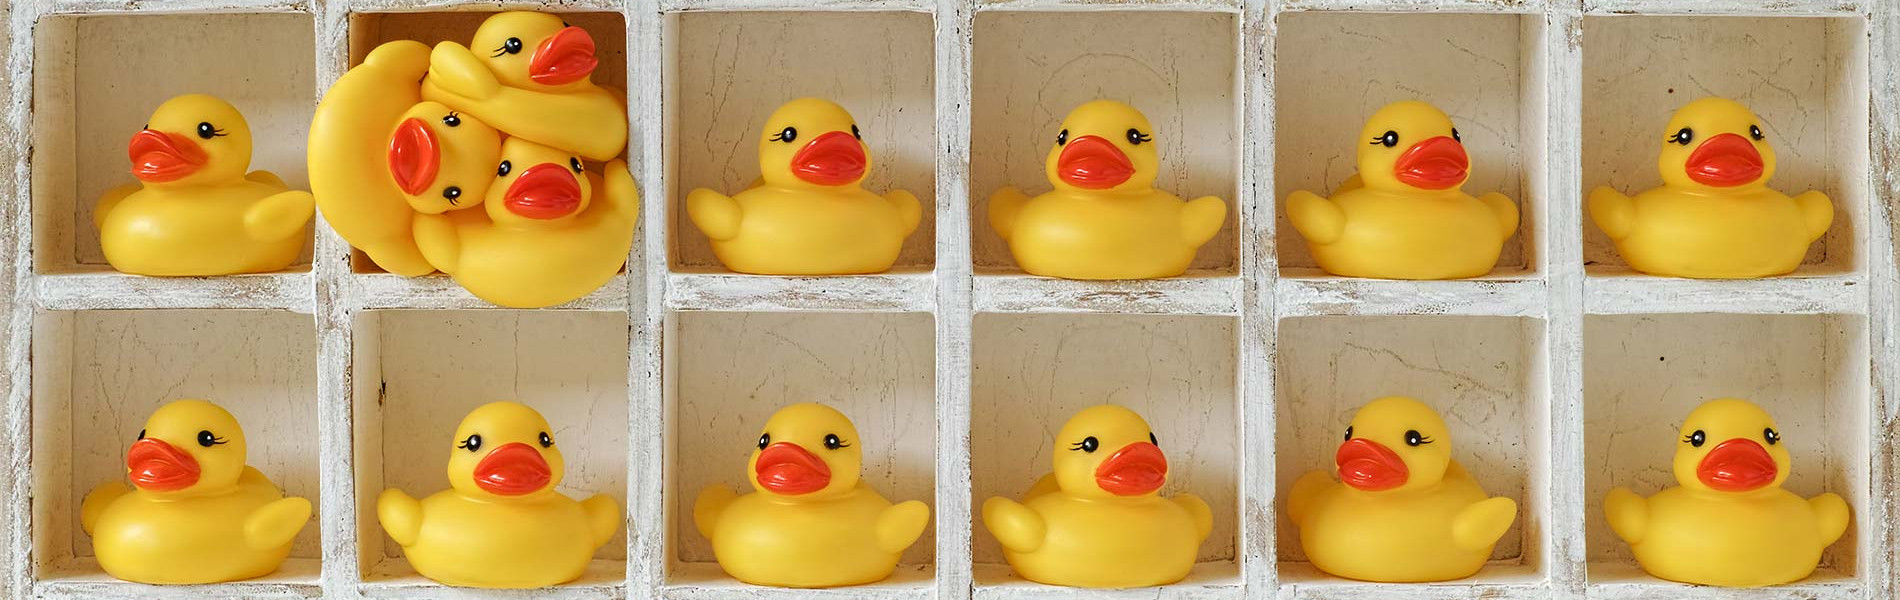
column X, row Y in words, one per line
column 1560, row 374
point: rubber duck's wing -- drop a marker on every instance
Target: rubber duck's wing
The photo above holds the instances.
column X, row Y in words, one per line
column 1005, row 204
column 1305, row 492
column 440, row 241
column 1018, row 527
column 279, row 216
column 710, row 506
column 1628, row 514
column 1506, row 212
column 96, row 502
column 266, row 178
column 714, row 213
column 1201, row 218
column 1613, row 212
column 275, row 524
column 1831, row 515
column 1197, row 509
column 109, row 201
column 910, row 212
column 899, row 525
column 622, row 192
column 1321, row 221
column 1478, row 526
column 1046, row 485
column 401, row 516
column 603, row 518
column 1817, row 213
column 457, row 69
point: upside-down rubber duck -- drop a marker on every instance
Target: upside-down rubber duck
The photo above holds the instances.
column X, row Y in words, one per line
column 1714, row 216
column 808, row 214
column 811, row 521
column 1104, row 219
column 529, row 74
column 1098, row 520
column 195, row 211
column 195, row 512
column 1402, row 510
column 1405, row 214
column 1728, row 522
column 549, row 232
column 501, row 523
column 379, row 155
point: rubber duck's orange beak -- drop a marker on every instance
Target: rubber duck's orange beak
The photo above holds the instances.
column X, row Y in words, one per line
column 1737, row 465
column 565, row 57
column 1134, row 470
column 159, row 467
column 1726, row 160
column 414, row 156
column 513, row 470
column 544, row 191
column 835, row 158
column 1368, row 466
column 786, row 468
column 1434, row 164
column 1092, row 163
column 159, row 157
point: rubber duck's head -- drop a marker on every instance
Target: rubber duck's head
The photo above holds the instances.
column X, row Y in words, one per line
column 192, row 139
column 1108, row 451
column 504, row 450
column 187, row 448
column 443, row 160
column 1715, row 143
column 812, row 143
column 531, row 50
column 537, row 184
column 1730, row 445
column 1395, row 443
column 1103, row 145
column 807, row 451
column 1410, row 145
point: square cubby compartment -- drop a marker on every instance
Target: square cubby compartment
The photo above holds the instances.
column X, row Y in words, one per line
column 732, row 69
column 1485, row 376
column 728, row 372
column 416, row 374
column 1029, row 69
column 1032, row 372
column 1643, row 374
column 97, row 79
column 1486, row 71
column 1805, row 77
column 99, row 375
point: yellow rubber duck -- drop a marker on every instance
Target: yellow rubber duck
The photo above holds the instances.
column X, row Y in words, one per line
column 196, row 513
column 1098, row 520
column 1728, row 523
column 1714, row 216
column 195, row 211
column 379, row 155
column 812, row 523
column 529, row 74
column 501, row 524
column 1402, row 511
column 541, row 239
column 1404, row 215
column 1105, row 219
column 807, row 215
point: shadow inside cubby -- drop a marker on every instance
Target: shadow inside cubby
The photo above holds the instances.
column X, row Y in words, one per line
column 1484, row 375
column 1180, row 69
column 1483, row 70
column 732, row 69
column 418, row 373
column 97, row 377
column 728, row 372
column 1806, row 78
column 1032, row 372
column 97, row 78
column 1643, row 374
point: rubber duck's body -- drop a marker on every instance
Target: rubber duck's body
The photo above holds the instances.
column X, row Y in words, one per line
column 811, row 522
column 195, row 211
column 1104, row 219
column 1404, row 215
column 1728, row 523
column 808, row 215
column 1098, row 520
column 1714, row 216
column 1402, row 510
column 529, row 74
column 196, row 513
column 501, row 524
column 379, row 155
column 541, row 237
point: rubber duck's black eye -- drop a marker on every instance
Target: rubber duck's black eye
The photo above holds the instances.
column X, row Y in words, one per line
column 1771, row 435
column 765, row 439
column 1062, row 139
column 472, row 443
column 1152, row 440
column 141, row 434
column 786, row 135
column 833, row 443
column 855, row 134
column 1697, row 438
column 452, row 194
column 1454, row 135
column 206, row 131
column 575, row 164
column 1349, row 433
column 1388, row 139
column 502, row 171
column 1414, row 438
column 207, row 439
column 1683, row 136
column 1088, row 444
column 547, row 441
column 453, row 120
column 512, row 46
column 1136, row 137
column 1754, row 132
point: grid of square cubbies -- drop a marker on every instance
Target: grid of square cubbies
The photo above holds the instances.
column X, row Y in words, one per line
column 1558, row 373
